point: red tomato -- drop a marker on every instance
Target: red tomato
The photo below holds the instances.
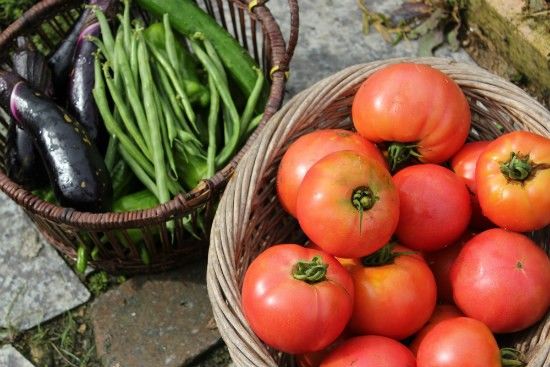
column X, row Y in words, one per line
column 314, row 359
column 393, row 300
column 440, row 262
column 290, row 311
column 513, row 177
column 307, row 150
column 502, row 279
column 371, row 351
column 459, row 342
column 434, row 208
column 416, row 105
column 441, row 313
column 348, row 205
column 464, row 165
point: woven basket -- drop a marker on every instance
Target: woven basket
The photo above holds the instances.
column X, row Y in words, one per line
column 256, row 29
column 249, row 217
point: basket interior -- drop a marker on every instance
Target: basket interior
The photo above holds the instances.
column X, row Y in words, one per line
column 262, row 222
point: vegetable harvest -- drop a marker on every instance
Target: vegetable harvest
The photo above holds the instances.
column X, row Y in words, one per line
column 131, row 110
column 438, row 299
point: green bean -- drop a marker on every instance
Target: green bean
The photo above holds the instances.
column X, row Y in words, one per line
column 154, row 120
column 106, row 33
column 110, row 124
column 139, row 171
column 225, row 96
column 212, row 122
column 164, row 127
column 252, row 101
column 177, row 85
column 110, row 154
column 125, row 113
column 173, row 99
column 132, row 93
column 127, row 28
column 144, row 254
column 254, row 123
column 121, row 177
column 95, row 253
column 170, row 44
column 134, row 59
column 81, row 258
column 211, row 51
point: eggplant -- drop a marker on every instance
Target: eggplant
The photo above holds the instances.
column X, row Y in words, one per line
column 62, row 58
column 22, row 161
column 75, row 167
column 81, row 83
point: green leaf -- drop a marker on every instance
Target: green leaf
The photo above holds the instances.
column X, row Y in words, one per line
column 429, row 42
column 430, row 24
column 452, row 38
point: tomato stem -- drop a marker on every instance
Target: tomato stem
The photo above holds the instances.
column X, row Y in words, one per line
column 511, row 357
column 313, row 271
column 518, row 167
column 384, row 256
column 363, row 199
column 399, row 153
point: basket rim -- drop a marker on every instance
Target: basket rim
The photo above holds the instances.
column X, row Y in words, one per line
column 184, row 202
column 227, row 244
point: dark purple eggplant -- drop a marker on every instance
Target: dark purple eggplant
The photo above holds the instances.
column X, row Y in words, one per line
column 81, row 83
column 61, row 59
column 76, row 169
column 22, row 162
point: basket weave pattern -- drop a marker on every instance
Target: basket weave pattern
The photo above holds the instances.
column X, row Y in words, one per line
column 249, row 217
column 47, row 22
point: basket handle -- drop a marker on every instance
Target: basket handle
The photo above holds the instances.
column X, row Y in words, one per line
column 293, row 37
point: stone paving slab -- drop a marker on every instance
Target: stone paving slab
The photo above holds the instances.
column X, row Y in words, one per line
column 10, row 357
column 157, row 320
column 35, row 283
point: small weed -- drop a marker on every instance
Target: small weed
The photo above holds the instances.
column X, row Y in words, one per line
column 98, row 283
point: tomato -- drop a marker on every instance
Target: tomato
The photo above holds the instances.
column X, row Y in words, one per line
column 290, row 310
column 464, row 165
column 440, row 263
column 347, row 204
column 435, row 207
column 307, row 150
column 441, row 313
column 395, row 299
column 513, row 177
column 458, row 342
column 371, row 351
column 415, row 105
column 502, row 279
column 314, row 359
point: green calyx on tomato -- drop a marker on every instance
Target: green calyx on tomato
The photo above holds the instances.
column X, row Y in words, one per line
column 399, row 153
column 386, row 255
column 511, row 357
column 313, row 271
column 363, row 199
column 520, row 167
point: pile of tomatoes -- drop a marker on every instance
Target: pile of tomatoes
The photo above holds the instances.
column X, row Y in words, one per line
column 416, row 253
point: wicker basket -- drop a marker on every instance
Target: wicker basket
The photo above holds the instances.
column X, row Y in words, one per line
column 249, row 217
column 256, row 29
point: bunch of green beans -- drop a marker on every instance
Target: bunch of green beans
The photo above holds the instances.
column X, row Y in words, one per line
column 168, row 104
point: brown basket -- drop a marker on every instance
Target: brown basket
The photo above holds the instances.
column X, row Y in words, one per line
column 249, row 217
column 256, row 29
